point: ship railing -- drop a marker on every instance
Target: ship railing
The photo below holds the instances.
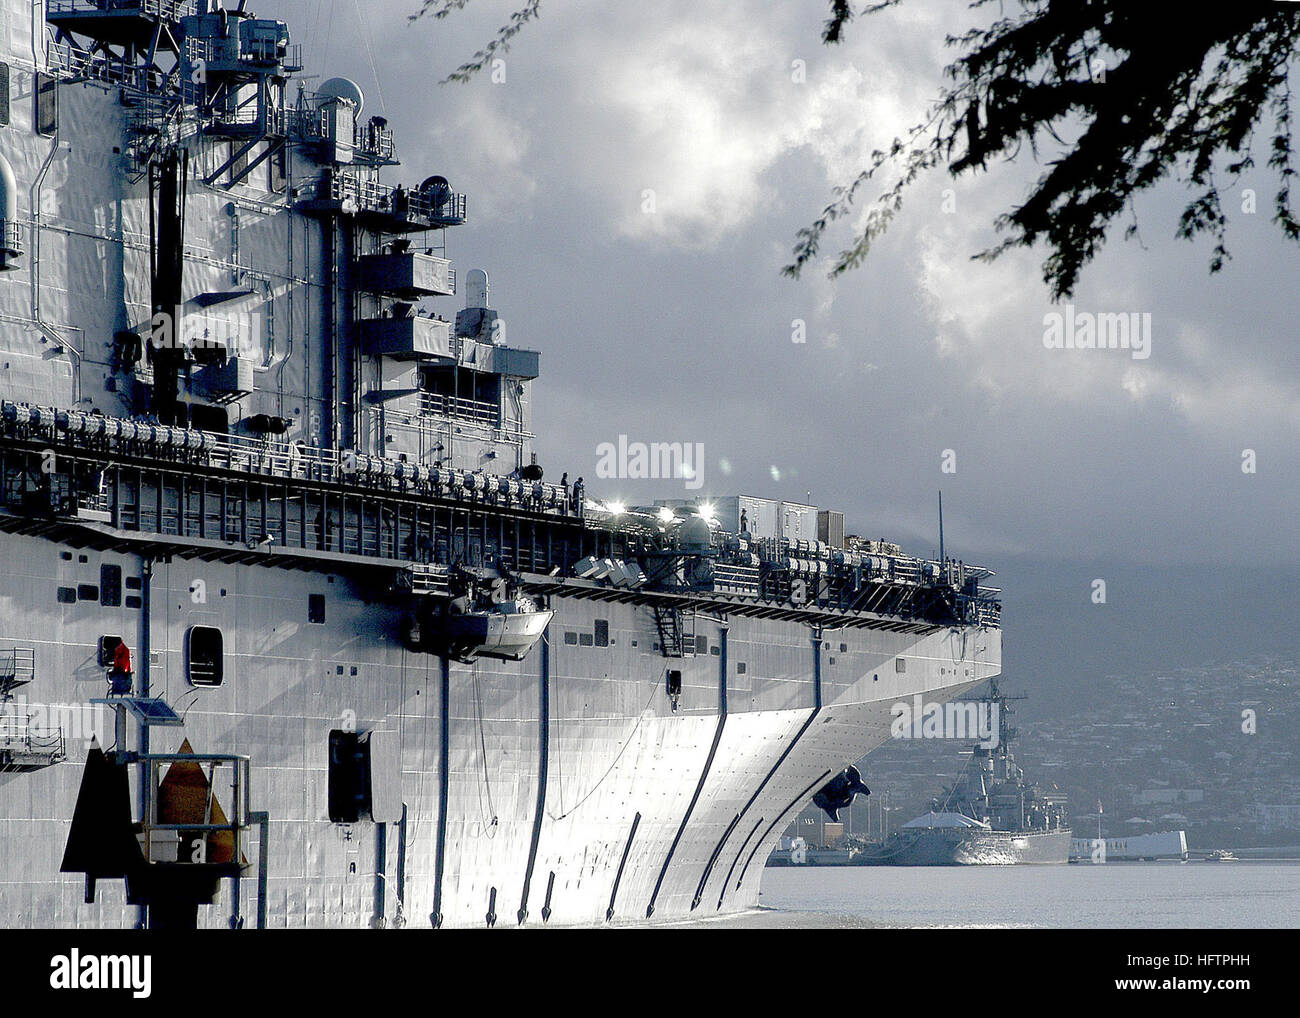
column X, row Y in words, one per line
column 17, row 668
column 895, row 566
column 736, row 579
column 213, row 765
column 290, row 57
column 429, row 580
column 200, row 51
column 375, row 142
column 422, row 411
column 985, row 613
column 253, row 54
column 259, row 456
column 170, row 10
column 310, row 122
column 432, row 404
column 784, row 554
column 307, row 123
column 233, row 113
column 68, row 61
column 906, row 569
column 21, row 735
column 247, row 115
column 901, row 573
column 96, row 506
column 154, row 124
column 370, row 195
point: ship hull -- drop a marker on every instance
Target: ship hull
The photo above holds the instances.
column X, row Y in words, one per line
column 563, row 788
column 310, row 466
column 977, row 848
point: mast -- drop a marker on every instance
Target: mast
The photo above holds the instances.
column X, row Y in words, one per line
column 943, row 562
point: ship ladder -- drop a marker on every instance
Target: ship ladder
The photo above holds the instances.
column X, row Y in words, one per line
column 669, row 621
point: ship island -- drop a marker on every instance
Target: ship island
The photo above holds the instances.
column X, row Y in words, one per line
column 297, row 628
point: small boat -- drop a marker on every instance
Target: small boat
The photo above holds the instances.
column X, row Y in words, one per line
column 508, row 630
column 1221, row 855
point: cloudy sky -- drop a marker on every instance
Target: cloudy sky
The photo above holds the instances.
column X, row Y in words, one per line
column 675, row 324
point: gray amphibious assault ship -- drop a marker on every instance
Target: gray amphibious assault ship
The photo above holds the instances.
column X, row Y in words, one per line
column 293, row 632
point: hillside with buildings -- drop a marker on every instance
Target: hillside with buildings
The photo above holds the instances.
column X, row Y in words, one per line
column 1213, row 750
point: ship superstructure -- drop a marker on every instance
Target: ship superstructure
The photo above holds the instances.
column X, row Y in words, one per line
column 384, row 669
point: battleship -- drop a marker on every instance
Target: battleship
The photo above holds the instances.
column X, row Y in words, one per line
column 296, row 629
column 990, row 816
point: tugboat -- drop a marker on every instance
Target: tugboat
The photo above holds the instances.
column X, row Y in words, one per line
column 990, row 816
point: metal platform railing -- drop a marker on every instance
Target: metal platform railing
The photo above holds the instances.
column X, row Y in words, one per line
column 17, row 668
column 737, row 579
column 438, row 207
column 260, row 457
column 250, row 54
column 72, row 63
column 29, row 745
column 375, row 142
column 236, row 823
column 309, row 123
column 985, row 613
column 434, row 404
column 429, row 580
column 168, row 10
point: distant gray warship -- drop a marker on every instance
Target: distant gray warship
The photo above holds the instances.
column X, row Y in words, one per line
column 990, row 816
column 293, row 630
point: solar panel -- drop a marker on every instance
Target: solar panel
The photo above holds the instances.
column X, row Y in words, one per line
column 151, row 711
column 154, row 712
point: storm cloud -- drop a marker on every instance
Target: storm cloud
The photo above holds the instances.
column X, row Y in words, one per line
column 635, row 185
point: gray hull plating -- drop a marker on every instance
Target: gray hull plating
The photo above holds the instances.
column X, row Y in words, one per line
column 560, row 788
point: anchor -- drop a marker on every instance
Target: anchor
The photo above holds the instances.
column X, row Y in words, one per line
column 838, row 793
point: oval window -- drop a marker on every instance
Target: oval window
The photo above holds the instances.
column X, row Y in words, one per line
column 204, row 664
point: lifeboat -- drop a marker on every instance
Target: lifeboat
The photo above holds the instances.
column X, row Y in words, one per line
column 508, row 630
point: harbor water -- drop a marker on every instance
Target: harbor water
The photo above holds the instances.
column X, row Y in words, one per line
column 1236, row 895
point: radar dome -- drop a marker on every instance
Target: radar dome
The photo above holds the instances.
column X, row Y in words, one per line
column 344, row 88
